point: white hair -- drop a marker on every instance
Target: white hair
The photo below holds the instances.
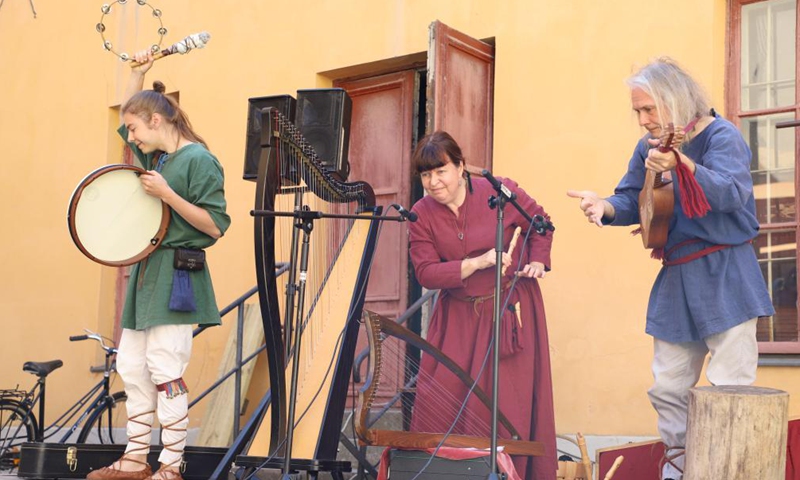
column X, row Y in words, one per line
column 679, row 99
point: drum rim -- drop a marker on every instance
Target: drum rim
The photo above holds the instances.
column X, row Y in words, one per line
column 73, row 205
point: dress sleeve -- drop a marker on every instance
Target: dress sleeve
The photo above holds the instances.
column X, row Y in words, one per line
column 538, row 246
column 626, row 196
column 724, row 174
column 206, row 190
column 432, row 271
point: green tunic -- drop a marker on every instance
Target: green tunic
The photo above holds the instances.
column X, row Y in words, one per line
column 197, row 176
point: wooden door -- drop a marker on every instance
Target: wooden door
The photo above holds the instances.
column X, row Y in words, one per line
column 381, row 132
column 460, row 96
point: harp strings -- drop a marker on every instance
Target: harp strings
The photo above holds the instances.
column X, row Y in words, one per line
column 397, row 366
column 398, row 380
column 306, row 185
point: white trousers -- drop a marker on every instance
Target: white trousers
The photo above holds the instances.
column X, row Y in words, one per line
column 677, row 368
column 150, row 357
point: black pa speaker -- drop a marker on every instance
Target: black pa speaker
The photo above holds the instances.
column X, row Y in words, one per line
column 323, row 117
column 258, row 137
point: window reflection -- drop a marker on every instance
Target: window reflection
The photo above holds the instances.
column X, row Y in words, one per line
column 768, row 54
column 772, row 167
column 777, row 256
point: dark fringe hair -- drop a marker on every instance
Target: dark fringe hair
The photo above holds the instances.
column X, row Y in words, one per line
column 433, row 151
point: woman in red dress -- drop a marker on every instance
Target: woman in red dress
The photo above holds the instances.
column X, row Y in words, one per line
column 452, row 249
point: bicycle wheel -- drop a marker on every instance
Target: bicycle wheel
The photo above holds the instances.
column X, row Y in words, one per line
column 16, row 428
column 106, row 424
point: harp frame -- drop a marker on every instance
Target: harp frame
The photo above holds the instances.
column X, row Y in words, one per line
column 278, row 134
column 378, row 326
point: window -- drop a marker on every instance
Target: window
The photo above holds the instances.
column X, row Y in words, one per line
column 761, row 94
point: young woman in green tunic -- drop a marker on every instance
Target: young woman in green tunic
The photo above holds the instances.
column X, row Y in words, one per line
column 163, row 302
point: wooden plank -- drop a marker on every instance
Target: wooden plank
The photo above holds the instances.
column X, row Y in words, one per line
column 420, row 441
column 217, row 427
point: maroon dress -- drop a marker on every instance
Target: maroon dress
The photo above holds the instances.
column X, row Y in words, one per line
column 461, row 327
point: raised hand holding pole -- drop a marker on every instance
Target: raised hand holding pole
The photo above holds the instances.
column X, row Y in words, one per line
column 195, row 40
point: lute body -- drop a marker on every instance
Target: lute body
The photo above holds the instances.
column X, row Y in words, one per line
column 657, row 202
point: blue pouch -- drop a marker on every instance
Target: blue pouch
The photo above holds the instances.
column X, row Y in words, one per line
column 182, row 297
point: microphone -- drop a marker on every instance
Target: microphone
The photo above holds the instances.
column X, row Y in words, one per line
column 195, row 40
column 541, row 225
column 498, row 186
column 410, row 216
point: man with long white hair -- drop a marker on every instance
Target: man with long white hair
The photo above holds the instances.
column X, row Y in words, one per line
column 710, row 292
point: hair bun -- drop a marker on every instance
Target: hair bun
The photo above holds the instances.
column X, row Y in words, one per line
column 159, row 87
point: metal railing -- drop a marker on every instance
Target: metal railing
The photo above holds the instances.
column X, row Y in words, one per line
column 236, row 371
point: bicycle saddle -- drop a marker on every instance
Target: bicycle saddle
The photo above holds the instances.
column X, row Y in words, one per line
column 41, row 369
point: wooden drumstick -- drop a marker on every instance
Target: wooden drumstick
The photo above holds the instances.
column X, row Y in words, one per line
column 614, row 468
column 195, row 40
column 587, row 463
column 512, row 245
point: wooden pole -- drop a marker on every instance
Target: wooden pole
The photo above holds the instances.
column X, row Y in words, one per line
column 614, row 468
column 736, row 433
column 585, row 460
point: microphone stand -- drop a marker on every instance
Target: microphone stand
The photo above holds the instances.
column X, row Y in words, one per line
column 504, row 195
column 304, row 220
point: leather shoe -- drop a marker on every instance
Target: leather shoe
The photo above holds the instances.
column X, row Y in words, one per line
column 113, row 472
column 167, row 474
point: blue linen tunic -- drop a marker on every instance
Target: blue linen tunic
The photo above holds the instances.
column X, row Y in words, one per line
column 709, row 295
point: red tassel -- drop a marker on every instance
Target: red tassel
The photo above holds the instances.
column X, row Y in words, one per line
column 693, row 199
column 657, row 253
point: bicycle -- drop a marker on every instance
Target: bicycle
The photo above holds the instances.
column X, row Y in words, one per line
column 19, row 423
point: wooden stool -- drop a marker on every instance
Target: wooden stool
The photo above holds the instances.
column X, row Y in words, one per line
column 736, row 433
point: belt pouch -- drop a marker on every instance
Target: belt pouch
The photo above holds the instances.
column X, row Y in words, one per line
column 189, row 259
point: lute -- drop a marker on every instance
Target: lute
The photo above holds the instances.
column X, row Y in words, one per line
column 657, row 200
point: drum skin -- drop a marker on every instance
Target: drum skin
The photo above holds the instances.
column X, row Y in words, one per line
column 112, row 220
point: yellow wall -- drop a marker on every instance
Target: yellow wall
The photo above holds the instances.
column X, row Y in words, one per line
column 562, row 120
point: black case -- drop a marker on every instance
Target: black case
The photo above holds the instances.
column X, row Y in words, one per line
column 405, row 464
column 70, row 460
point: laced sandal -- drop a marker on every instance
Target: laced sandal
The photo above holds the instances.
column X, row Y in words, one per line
column 171, row 471
column 670, row 454
column 114, row 471
column 167, row 472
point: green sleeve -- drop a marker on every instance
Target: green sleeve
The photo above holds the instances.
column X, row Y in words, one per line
column 145, row 160
column 207, row 191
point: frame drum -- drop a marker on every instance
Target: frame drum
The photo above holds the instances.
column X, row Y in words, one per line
column 112, row 220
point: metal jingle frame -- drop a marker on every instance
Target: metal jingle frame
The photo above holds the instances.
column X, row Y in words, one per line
column 107, row 45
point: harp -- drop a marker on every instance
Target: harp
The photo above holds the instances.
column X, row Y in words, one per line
column 386, row 339
column 291, row 178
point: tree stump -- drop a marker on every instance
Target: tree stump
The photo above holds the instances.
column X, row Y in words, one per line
column 736, row 433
